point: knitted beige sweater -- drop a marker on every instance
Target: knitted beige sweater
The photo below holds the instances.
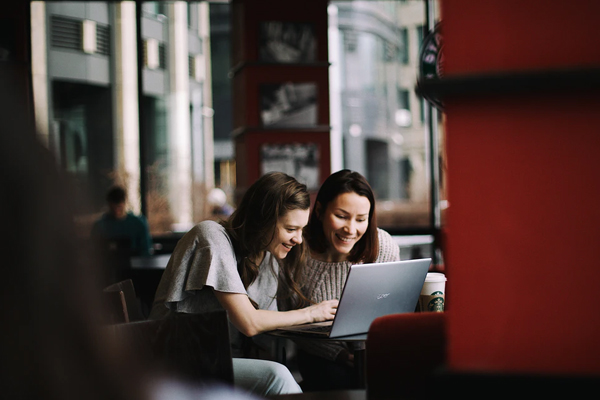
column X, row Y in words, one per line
column 325, row 280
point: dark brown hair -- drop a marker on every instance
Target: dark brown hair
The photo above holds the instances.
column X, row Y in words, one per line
column 116, row 195
column 252, row 227
column 344, row 181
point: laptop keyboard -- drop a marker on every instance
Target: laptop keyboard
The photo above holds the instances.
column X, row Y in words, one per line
column 318, row 328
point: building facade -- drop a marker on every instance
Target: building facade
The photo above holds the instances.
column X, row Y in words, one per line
column 88, row 107
column 379, row 123
column 173, row 142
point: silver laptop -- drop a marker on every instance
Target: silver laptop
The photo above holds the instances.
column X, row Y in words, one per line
column 371, row 291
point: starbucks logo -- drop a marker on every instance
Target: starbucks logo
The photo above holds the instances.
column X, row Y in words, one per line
column 436, row 304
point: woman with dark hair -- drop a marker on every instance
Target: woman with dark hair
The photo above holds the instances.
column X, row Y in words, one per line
column 250, row 266
column 342, row 231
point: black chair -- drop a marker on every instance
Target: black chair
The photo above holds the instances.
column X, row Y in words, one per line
column 113, row 258
column 122, row 303
column 194, row 347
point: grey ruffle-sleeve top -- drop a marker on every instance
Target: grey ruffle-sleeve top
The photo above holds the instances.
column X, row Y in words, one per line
column 204, row 260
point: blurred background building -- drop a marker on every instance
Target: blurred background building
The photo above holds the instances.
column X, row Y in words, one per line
column 171, row 142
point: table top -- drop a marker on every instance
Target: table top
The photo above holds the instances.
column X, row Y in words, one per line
column 356, row 394
column 150, row 262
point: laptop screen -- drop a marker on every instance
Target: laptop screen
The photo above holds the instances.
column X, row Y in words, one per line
column 378, row 289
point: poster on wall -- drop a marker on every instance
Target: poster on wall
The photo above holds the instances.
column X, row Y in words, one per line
column 287, row 42
column 300, row 160
column 288, row 105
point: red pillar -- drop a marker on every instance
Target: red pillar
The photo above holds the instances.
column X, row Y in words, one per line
column 253, row 72
column 523, row 146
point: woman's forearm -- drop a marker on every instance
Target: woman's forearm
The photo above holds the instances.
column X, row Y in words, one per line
column 251, row 321
column 265, row 320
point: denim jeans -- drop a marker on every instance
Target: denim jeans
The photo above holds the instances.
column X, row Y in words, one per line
column 262, row 377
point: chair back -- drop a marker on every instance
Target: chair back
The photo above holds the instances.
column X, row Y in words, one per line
column 113, row 255
column 402, row 353
column 194, row 347
column 122, row 302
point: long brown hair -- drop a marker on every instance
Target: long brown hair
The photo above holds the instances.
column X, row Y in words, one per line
column 344, row 181
column 252, row 227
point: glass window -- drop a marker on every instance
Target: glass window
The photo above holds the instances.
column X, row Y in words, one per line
column 170, row 145
column 404, row 50
column 104, row 131
column 383, row 137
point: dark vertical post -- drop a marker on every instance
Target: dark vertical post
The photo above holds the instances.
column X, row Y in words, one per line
column 142, row 120
column 431, row 119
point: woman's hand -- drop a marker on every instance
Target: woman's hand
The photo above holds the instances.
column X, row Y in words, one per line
column 251, row 321
column 323, row 311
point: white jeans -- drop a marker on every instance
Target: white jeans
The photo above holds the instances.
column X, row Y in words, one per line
column 263, row 377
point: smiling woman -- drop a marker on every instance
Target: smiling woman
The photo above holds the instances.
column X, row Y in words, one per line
column 288, row 232
column 249, row 265
column 342, row 231
column 345, row 220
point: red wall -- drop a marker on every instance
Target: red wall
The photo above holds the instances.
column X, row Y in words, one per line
column 250, row 73
column 523, row 187
column 501, row 35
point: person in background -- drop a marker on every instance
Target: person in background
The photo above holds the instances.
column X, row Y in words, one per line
column 217, row 200
column 342, row 231
column 118, row 223
column 53, row 345
column 248, row 265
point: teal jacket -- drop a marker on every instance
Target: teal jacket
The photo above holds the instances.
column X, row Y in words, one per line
column 132, row 227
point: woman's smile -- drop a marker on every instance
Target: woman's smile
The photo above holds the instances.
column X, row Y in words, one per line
column 288, row 232
column 345, row 220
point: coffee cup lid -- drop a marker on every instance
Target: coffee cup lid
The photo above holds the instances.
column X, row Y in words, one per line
column 435, row 277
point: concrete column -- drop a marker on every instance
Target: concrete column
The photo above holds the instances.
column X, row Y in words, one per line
column 335, row 104
column 207, row 127
column 39, row 72
column 126, row 107
column 180, row 179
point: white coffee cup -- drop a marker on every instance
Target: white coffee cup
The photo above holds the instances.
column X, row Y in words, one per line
column 433, row 295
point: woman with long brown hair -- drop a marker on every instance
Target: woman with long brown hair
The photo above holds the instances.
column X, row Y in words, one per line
column 248, row 265
column 342, row 231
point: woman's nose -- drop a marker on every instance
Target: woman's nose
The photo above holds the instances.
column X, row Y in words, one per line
column 297, row 238
column 350, row 226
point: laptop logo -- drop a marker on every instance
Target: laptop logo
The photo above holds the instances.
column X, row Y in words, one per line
column 382, row 296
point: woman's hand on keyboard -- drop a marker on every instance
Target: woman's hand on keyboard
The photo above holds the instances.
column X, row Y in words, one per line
column 323, row 311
